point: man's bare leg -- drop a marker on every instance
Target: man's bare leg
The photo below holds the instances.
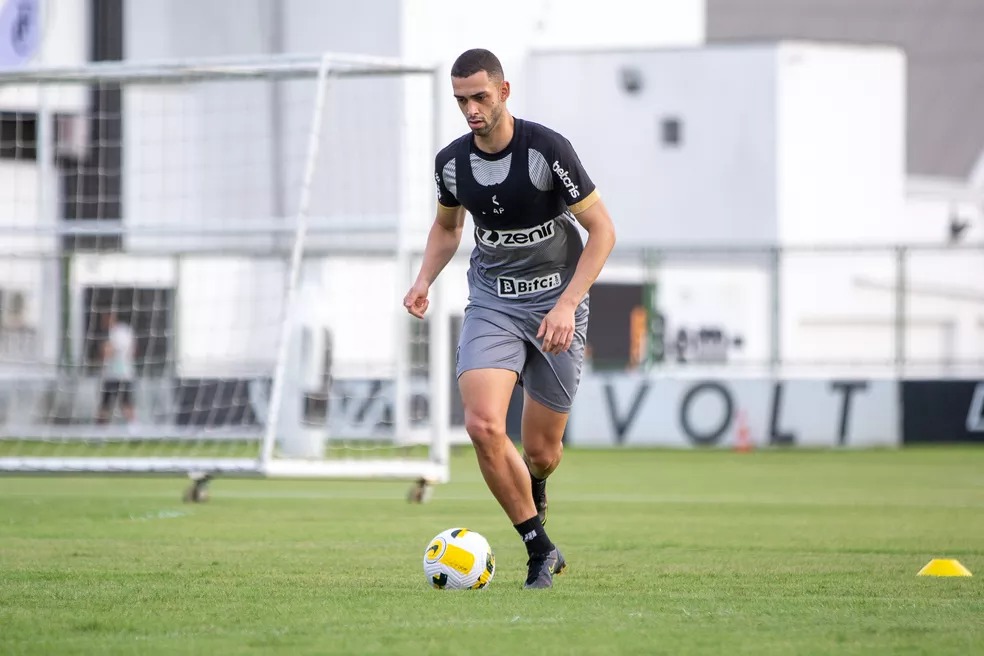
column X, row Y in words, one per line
column 543, row 447
column 485, row 394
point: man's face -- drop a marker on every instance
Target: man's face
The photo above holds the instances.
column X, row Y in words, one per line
column 480, row 100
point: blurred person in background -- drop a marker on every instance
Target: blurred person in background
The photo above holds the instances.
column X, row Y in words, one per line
column 118, row 352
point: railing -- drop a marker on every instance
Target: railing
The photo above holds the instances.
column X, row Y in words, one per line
column 832, row 309
column 906, row 309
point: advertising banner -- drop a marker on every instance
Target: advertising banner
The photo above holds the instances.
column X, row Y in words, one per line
column 626, row 409
column 943, row 411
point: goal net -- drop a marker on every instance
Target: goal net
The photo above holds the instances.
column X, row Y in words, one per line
column 202, row 265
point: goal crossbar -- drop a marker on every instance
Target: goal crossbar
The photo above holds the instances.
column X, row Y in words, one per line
column 284, row 66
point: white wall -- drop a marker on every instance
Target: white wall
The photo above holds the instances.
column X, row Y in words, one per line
column 228, row 316
column 841, row 143
column 18, row 197
column 18, row 211
column 734, row 300
column 718, row 186
column 370, row 27
column 27, row 265
column 931, row 203
column 162, row 29
column 790, row 144
column 64, row 33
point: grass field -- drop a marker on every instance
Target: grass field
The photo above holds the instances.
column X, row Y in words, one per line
column 671, row 553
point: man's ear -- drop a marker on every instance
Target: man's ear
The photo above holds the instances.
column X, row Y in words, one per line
column 504, row 91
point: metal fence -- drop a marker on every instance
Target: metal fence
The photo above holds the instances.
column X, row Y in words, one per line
column 901, row 309
column 913, row 309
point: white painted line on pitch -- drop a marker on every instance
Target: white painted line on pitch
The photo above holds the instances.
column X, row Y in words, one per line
column 160, row 514
column 668, row 499
column 438, row 496
column 602, row 498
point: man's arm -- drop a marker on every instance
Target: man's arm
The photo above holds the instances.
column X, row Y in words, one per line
column 557, row 328
column 601, row 240
column 442, row 243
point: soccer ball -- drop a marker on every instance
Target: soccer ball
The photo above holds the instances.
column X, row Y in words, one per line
column 459, row 559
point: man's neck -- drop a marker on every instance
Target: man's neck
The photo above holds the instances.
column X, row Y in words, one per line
column 500, row 136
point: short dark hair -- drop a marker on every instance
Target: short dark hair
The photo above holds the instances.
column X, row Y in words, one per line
column 477, row 60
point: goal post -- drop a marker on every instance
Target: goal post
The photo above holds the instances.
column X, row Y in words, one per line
column 202, row 264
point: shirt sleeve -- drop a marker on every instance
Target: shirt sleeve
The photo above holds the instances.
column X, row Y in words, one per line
column 444, row 195
column 570, row 178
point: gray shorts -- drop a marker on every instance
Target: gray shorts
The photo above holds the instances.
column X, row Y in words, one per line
column 493, row 340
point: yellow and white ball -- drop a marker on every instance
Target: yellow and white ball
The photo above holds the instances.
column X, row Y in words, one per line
column 459, row 559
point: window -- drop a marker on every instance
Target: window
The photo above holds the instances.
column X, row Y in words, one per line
column 671, row 129
column 19, row 136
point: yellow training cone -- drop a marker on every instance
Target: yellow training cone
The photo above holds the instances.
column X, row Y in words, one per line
column 944, row 567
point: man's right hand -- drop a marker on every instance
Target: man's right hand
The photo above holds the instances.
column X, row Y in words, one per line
column 416, row 299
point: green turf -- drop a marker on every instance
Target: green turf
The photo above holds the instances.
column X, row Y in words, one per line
column 122, row 448
column 671, row 553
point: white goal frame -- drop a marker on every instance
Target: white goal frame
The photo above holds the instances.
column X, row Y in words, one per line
column 321, row 70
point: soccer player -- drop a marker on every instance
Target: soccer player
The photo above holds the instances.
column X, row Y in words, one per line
column 117, row 358
column 529, row 275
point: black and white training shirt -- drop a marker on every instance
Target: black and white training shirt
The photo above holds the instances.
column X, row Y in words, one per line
column 523, row 200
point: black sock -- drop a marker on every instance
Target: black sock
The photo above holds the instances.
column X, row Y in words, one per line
column 534, row 537
column 538, row 484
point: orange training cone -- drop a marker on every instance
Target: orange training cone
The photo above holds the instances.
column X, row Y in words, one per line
column 743, row 443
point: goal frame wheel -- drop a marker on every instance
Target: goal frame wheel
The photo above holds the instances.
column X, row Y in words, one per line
column 197, row 492
column 420, row 491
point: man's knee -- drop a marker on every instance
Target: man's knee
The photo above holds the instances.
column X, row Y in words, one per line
column 544, row 455
column 485, row 430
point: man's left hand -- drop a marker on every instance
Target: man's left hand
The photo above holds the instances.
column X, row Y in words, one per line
column 557, row 328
